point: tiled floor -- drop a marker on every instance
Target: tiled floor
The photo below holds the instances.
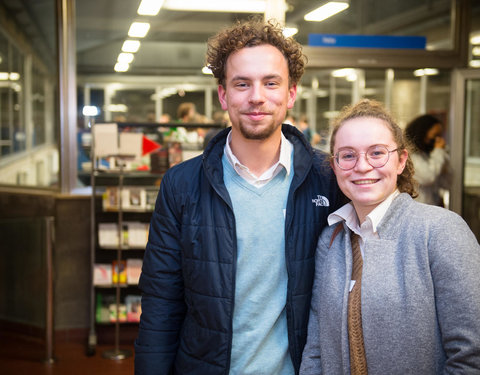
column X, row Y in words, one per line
column 20, row 355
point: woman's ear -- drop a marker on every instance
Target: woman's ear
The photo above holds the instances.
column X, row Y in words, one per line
column 402, row 161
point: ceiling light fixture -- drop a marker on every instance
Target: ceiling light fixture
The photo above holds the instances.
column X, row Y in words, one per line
column 325, row 11
column 206, row 70
column 342, row 73
column 475, row 63
column 425, row 72
column 13, row 76
column 475, row 39
column 476, row 51
column 125, row 57
column 289, row 31
column 131, row 46
column 149, row 7
column 234, row 6
column 138, row 29
column 121, row 67
column 90, row 110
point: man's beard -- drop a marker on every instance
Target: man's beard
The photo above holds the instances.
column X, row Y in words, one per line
column 249, row 133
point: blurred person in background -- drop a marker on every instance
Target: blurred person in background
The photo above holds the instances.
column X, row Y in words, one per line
column 430, row 159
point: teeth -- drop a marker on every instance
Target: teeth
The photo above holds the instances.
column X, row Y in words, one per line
column 364, row 182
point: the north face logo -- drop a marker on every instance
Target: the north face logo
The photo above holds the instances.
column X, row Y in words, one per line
column 321, row 201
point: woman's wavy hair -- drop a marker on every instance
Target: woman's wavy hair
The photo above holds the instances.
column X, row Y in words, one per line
column 374, row 109
column 250, row 33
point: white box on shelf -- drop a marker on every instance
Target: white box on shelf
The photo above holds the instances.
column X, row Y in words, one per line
column 137, row 234
column 134, row 269
column 108, row 234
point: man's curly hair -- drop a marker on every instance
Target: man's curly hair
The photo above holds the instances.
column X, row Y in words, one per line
column 250, row 33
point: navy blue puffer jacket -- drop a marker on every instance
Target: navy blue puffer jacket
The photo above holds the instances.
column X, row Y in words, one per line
column 188, row 275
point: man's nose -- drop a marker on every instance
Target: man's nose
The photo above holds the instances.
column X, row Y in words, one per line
column 257, row 94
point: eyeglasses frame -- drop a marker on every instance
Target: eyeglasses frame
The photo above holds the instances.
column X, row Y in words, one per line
column 335, row 157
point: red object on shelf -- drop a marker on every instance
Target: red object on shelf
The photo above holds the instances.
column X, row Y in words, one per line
column 148, row 146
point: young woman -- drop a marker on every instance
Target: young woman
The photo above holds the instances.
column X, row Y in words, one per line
column 397, row 286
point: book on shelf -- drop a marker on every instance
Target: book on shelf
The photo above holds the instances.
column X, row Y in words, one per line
column 102, row 307
column 133, row 307
column 133, row 198
column 122, row 312
column 119, row 272
column 102, row 274
column 134, row 269
column 134, row 234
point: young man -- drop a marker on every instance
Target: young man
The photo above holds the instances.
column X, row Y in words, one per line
column 229, row 264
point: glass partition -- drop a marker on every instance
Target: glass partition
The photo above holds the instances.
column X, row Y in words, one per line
column 28, row 115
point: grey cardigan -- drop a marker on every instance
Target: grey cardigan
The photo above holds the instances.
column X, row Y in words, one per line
column 420, row 296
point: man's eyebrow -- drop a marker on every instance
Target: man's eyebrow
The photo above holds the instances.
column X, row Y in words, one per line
column 240, row 78
column 244, row 78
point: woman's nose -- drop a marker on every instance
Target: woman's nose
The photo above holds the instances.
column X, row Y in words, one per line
column 362, row 163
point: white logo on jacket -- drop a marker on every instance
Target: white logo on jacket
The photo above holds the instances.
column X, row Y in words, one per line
column 321, row 201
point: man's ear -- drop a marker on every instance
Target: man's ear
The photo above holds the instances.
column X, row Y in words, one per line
column 222, row 93
column 292, row 95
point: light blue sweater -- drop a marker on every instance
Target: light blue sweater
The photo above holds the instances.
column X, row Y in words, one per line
column 260, row 340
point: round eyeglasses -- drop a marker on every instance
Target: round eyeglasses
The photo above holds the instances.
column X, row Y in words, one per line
column 377, row 156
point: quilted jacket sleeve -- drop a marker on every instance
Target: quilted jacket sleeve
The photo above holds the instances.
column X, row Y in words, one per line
column 163, row 307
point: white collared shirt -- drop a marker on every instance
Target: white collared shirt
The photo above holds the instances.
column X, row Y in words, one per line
column 284, row 161
column 368, row 229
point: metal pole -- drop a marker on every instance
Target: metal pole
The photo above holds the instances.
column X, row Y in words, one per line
column 118, row 353
column 49, row 233
column 92, row 336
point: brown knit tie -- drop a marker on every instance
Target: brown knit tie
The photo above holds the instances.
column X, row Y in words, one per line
column 358, row 362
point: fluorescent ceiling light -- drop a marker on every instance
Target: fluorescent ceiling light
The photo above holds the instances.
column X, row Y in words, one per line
column 121, row 67
column 206, row 70
column 116, row 108
column 90, row 110
column 131, row 46
column 475, row 39
column 234, row 6
column 138, row 29
column 476, row 51
column 425, row 72
column 342, row 73
column 14, row 76
column 149, row 7
column 326, row 11
column 289, row 31
column 125, row 57
column 475, row 63
column 5, row 76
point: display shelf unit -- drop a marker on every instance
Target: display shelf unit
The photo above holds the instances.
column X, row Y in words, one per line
column 115, row 246
column 122, row 201
column 111, row 248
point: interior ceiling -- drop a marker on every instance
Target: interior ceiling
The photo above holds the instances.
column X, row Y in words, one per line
column 176, row 42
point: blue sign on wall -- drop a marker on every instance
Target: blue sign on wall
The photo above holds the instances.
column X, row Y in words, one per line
column 367, row 41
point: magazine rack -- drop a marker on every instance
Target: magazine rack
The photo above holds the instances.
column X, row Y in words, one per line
column 120, row 228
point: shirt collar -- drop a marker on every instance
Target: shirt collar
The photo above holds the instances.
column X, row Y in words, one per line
column 347, row 213
column 284, row 160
